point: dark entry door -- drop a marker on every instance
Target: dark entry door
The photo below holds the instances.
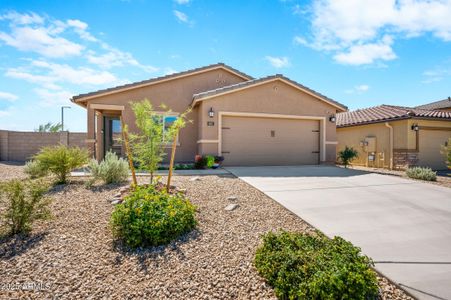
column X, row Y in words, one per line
column 113, row 135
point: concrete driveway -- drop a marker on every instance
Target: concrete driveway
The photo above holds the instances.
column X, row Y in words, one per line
column 404, row 225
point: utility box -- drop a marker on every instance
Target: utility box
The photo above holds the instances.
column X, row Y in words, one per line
column 370, row 144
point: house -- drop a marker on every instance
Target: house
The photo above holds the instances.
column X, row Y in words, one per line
column 438, row 105
column 388, row 136
column 266, row 121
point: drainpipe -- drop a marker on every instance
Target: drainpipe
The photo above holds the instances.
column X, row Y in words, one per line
column 391, row 144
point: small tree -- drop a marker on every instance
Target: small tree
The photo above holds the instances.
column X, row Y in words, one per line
column 173, row 133
column 347, row 155
column 49, row 127
column 147, row 146
column 446, row 151
column 61, row 160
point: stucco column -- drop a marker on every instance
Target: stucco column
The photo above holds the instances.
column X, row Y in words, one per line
column 99, row 136
column 4, row 145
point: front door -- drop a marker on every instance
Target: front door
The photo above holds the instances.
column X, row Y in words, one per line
column 113, row 135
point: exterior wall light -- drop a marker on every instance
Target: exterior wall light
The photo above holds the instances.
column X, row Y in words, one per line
column 415, row 127
column 332, row 119
column 211, row 113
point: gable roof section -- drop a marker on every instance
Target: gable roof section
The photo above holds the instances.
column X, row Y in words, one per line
column 383, row 113
column 87, row 96
column 446, row 103
column 255, row 82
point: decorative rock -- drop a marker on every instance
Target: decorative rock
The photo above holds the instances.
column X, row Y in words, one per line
column 183, row 191
column 115, row 202
column 124, row 189
column 117, row 195
column 231, row 207
column 197, row 178
column 232, row 198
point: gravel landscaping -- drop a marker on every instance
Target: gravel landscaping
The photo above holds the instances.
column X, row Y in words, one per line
column 443, row 177
column 73, row 256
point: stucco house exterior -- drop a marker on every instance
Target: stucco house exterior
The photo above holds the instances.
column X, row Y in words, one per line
column 388, row 136
column 266, row 121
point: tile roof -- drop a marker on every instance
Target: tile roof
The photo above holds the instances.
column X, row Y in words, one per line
column 156, row 79
column 384, row 113
column 446, row 103
column 248, row 83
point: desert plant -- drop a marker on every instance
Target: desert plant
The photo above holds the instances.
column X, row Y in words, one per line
column 150, row 217
column 23, row 203
column 200, row 162
column 210, row 160
column 347, row 155
column 147, row 146
column 446, row 152
column 421, row 173
column 49, row 127
column 34, row 169
column 61, row 160
column 301, row 266
column 111, row 169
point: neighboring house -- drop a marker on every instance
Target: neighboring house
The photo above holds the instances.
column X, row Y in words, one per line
column 438, row 105
column 388, row 136
column 266, row 121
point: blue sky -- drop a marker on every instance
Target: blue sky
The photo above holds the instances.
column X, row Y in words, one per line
column 360, row 53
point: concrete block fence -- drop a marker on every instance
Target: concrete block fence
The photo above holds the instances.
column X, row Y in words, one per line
column 22, row 145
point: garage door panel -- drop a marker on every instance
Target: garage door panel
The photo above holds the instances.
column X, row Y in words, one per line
column 429, row 144
column 269, row 141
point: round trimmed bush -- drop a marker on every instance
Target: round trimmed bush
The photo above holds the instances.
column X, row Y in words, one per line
column 301, row 266
column 152, row 217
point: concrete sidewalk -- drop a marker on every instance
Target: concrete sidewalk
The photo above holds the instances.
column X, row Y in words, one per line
column 404, row 225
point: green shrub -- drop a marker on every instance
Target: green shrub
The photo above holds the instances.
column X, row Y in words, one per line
column 22, row 203
column 301, row 266
column 421, row 173
column 446, row 152
column 210, row 160
column 34, row 169
column 111, row 169
column 150, row 217
column 61, row 160
column 347, row 155
column 200, row 162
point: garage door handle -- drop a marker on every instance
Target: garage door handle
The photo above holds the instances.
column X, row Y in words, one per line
column 315, row 152
column 225, row 127
column 225, row 152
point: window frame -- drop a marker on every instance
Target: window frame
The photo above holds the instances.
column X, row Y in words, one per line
column 163, row 116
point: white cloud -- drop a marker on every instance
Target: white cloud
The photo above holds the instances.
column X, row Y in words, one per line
column 367, row 53
column 53, row 98
column 4, row 113
column 359, row 89
column 116, row 58
column 40, row 40
column 182, row 17
column 169, row 71
column 22, row 19
column 349, row 27
column 8, row 96
column 81, row 29
column 436, row 74
column 278, row 62
column 181, row 2
column 24, row 74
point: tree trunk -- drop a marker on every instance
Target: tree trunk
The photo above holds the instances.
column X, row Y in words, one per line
column 171, row 163
column 128, row 152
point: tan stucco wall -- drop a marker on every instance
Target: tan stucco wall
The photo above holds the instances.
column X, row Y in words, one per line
column 274, row 97
column 177, row 94
column 404, row 140
column 352, row 136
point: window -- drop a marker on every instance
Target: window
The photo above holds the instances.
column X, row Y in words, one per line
column 167, row 121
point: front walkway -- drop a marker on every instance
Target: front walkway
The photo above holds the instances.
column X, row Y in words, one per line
column 404, row 225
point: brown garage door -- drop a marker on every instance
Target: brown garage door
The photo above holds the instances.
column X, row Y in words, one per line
column 429, row 155
column 248, row 141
